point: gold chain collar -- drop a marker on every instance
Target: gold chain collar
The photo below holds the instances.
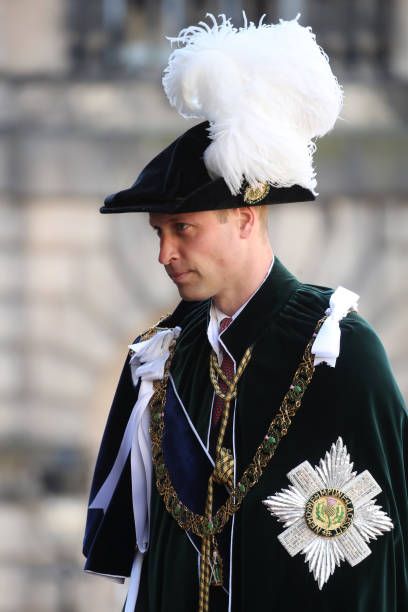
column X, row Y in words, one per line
column 207, row 526
column 199, row 524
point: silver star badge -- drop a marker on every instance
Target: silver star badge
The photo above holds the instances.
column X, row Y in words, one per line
column 329, row 512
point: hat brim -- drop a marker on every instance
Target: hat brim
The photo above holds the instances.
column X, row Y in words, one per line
column 214, row 195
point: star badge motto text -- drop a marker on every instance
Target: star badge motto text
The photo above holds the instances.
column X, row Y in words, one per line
column 329, row 513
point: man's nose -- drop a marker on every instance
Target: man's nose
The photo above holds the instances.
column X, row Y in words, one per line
column 168, row 250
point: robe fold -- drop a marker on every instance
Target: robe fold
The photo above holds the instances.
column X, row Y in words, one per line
column 358, row 400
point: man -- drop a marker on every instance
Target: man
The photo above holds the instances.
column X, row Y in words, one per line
column 204, row 490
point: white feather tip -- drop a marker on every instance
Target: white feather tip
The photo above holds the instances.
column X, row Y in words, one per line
column 267, row 91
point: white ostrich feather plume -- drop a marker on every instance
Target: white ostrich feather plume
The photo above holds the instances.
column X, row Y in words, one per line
column 267, row 92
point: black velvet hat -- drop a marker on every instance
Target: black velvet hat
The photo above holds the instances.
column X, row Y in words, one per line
column 176, row 181
column 264, row 93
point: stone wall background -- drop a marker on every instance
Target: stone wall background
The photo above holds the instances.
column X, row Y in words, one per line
column 76, row 287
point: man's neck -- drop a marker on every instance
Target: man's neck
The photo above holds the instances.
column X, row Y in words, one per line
column 231, row 302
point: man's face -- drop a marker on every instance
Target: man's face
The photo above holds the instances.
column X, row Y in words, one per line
column 200, row 251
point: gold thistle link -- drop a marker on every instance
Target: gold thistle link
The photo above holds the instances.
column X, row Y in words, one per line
column 256, row 193
column 216, row 567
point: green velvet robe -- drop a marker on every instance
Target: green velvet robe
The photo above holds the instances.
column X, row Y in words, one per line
column 357, row 400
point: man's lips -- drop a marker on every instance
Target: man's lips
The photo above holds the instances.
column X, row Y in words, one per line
column 177, row 277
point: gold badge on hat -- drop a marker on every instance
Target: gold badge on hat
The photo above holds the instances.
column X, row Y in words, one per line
column 256, row 193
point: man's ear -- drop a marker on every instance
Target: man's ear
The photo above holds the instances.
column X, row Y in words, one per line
column 246, row 221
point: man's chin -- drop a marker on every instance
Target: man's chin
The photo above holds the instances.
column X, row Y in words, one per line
column 191, row 295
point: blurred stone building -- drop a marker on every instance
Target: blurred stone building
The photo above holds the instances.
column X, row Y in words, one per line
column 81, row 111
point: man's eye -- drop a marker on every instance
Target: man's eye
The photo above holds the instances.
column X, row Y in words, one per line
column 181, row 227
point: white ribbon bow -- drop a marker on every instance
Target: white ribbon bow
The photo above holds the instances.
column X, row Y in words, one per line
column 326, row 347
column 147, row 363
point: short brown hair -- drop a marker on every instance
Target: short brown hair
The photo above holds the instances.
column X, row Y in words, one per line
column 222, row 215
column 263, row 214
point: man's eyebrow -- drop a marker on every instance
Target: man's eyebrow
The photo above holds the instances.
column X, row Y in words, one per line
column 172, row 221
